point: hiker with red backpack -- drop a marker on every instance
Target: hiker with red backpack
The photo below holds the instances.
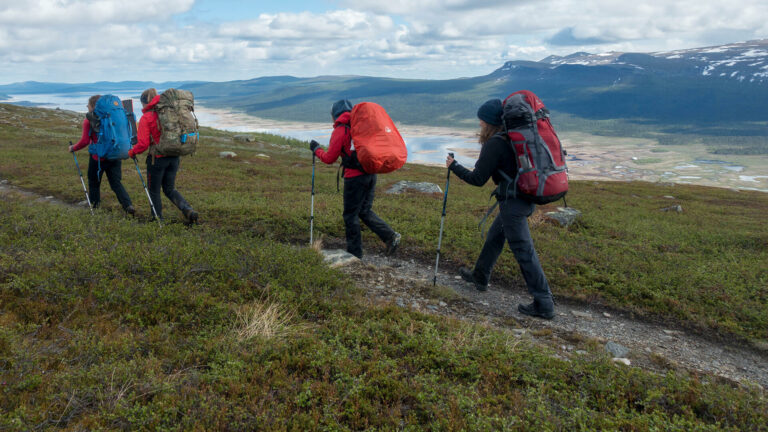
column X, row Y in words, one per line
column 162, row 165
column 97, row 165
column 499, row 161
column 359, row 183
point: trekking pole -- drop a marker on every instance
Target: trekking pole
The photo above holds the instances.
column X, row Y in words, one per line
column 312, row 209
column 442, row 221
column 80, row 173
column 154, row 212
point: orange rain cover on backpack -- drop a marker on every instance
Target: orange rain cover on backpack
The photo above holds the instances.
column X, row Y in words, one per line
column 380, row 148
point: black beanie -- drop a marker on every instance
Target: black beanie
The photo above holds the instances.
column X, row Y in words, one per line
column 339, row 107
column 490, row 112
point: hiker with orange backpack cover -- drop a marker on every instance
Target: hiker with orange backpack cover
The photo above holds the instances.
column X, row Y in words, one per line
column 96, row 167
column 496, row 160
column 359, row 186
column 161, row 170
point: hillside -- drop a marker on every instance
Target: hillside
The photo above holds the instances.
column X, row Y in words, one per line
column 112, row 323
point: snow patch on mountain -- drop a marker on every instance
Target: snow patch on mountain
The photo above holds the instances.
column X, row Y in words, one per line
column 736, row 61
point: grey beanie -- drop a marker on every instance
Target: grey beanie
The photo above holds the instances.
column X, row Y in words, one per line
column 339, row 107
column 490, row 112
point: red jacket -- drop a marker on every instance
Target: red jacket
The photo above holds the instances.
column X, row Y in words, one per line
column 89, row 137
column 341, row 139
column 148, row 132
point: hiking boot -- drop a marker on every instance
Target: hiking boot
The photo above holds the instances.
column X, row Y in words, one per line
column 534, row 311
column 130, row 210
column 393, row 243
column 469, row 276
column 190, row 216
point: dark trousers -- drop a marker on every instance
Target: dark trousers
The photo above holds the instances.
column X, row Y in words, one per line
column 358, row 200
column 511, row 225
column 114, row 170
column 161, row 174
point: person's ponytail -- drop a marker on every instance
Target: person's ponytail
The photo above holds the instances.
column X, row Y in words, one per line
column 148, row 95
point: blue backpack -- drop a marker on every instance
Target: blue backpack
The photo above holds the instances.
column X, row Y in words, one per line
column 115, row 132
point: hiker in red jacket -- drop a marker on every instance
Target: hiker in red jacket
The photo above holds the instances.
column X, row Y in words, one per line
column 359, row 187
column 161, row 170
column 113, row 168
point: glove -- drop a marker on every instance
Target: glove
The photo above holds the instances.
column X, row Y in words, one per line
column 131, row 154
column 313, row 145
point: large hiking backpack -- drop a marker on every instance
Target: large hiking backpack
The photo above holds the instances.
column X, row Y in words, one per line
column 542, row 175
column 114, row 129
column 178, row 124
column 378, row 146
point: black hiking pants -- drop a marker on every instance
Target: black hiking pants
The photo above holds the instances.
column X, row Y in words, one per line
column 114, row 170
column 161, row 174
column 511, row 225
column 358, row 200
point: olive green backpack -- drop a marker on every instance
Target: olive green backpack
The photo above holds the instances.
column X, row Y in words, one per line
column 178, row 124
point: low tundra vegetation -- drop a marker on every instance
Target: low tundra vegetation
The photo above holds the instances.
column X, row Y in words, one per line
column 235, row 324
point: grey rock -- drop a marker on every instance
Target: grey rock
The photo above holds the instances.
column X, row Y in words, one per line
column 400, row 302
column 243, row 138
column 616, row 350
column 423, row 187
column 338, row 258
column 564, row 216
column 227, row 155
column 669, row 197
column 579, row 314
column 622, row 360
column 262, row 156
column 443, row 304
column 677, row 208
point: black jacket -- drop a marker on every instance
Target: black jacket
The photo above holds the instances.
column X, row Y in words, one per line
column 495, row 156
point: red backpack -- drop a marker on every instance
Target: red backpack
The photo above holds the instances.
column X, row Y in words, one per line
column 378, row 146
column 542, row 175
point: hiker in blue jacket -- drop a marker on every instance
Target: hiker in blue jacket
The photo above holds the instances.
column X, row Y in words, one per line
column 97, row 168
column 511, row 224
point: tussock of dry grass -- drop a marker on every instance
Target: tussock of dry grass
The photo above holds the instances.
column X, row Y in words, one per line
column 264, row 320
column 317, row 245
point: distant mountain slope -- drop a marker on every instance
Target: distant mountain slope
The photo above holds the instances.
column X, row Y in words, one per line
column 34, row 87
column 745, row 61
column 700, row 88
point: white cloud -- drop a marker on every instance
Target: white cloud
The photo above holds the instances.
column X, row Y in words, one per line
column 58, row 13
column 310, row 27
column 85, row 40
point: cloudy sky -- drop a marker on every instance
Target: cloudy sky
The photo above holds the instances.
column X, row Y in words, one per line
column 219, row 40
